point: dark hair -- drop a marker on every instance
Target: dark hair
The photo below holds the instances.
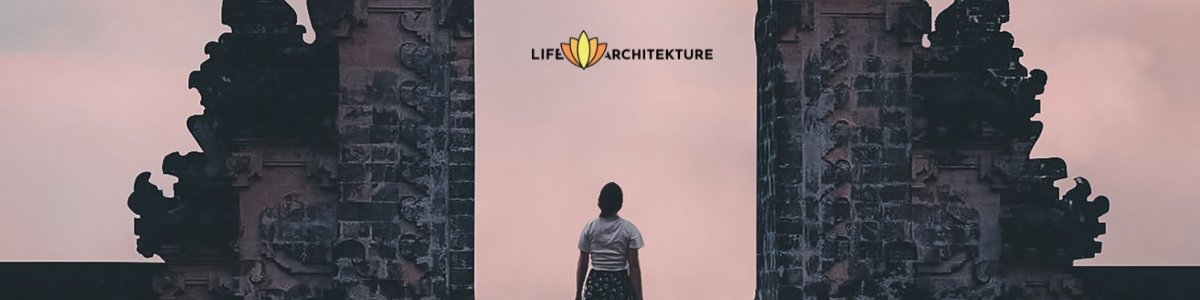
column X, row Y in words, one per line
column 610, row 200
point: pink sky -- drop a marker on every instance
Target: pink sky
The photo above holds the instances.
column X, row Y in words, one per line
column 91, row 93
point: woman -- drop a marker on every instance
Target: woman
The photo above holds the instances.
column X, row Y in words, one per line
column 612, row 244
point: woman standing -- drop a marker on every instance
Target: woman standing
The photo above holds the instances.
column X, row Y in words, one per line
column 612, row 244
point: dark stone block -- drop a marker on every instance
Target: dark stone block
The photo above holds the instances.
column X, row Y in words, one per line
column 462, row 137
column 461, row 241
column 412, row 247
column 789, row 226
column 392, row 288
column 869, row 99
column 873, row 64
column 461, row 206
column 791, row 292
column 372, row 211
column 870, row 250
column 354, row 230
column 869, row 231
column 354, row 134
column 818, row 289
column 871, row 173
column 892, row 118
column 868, row 211
column 384, row 153
column 461, row 259
column 384, row 118
column 898, row 212
column 388, row 192
column 841, row 209
column 864, row 82
column 851, row 288
column 462, row 156
column 462, row 276
column 865, row 155
column 893, row 230
column 385, row 172
column 787, row 242
column 384, row 231
column 894, row 193
column 900, row 173
column 351, row 172
column 464, row 189
column 898, row 136
column 900, row 251
column 896, row 156
column 318, row 232
column 870, row 135
column 865, row 193
column 317, row 253
column 462, row 293
column 813, row 265
column 383, row 251
column 462, row 172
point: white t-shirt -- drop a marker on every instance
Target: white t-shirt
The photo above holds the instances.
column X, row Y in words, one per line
column 608, row 240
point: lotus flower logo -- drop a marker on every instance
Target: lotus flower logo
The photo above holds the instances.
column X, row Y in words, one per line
column 584, row 52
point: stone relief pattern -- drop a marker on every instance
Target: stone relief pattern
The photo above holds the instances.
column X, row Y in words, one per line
column 974, row 104
column 852, row 203
column 834, row 146
column 261, row 85
column 406, row 120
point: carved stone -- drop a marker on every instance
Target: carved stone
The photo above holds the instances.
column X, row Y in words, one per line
column 316, row 182
column 891, row 170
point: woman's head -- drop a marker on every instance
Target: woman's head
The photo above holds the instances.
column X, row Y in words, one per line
column 610, row 200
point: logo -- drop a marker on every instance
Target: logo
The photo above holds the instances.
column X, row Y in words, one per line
column 585, row 51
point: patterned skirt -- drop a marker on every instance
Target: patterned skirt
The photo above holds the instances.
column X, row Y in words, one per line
column 608, row 285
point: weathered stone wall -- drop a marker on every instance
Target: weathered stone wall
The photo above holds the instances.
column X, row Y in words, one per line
column 891, row 170
column 344, row 169
column 990, row 216
column 250, row 217
column 341, row 169
column 406, row 128
column 834, row 147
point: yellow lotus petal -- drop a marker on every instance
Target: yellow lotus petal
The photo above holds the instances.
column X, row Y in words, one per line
column 585, row 50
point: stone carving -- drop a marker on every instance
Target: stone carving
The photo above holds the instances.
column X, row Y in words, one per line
column 1064, row 229
column 834, row 133
column 406, row 169
column 201, row 215
column 910, row 163
column 268, row 126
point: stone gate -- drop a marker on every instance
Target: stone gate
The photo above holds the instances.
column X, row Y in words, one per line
column 344, row 168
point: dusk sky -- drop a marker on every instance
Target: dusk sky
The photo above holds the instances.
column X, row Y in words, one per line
column 94, row 92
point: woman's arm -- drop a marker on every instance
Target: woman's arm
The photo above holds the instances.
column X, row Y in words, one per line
column 635, row 273
column 580, row 274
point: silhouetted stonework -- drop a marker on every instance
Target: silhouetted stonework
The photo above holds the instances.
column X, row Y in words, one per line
column 344, row 169
column 78, row 280
column 892, row 170
column 341, row 169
